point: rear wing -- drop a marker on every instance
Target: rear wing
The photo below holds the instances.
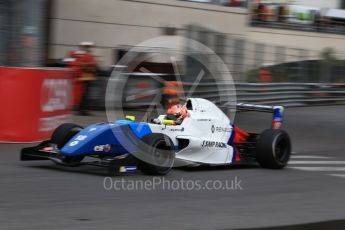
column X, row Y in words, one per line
column 277, row 111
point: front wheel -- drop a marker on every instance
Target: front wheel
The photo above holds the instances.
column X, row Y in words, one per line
column 156, row 154
column 273, row 149
column 62, row 135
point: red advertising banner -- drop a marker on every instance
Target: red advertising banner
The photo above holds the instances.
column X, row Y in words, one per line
column 33, row 102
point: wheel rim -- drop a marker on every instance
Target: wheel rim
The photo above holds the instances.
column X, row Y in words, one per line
column 162, row 156
column 281, row 149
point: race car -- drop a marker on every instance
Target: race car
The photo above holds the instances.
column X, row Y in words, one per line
column 206, row 136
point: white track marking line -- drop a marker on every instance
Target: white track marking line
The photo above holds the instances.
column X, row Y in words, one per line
column 320, row 169
column 316, row 162
column 337, row 175
column 308, row 157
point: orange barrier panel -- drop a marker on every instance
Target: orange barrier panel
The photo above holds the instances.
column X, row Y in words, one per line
column 33, row 102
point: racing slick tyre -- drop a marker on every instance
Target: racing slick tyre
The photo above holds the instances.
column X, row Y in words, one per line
column 273, row 149
column 62, row 135
column 156, row 154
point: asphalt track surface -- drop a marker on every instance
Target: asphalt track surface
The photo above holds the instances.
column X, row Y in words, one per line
column 41, row 195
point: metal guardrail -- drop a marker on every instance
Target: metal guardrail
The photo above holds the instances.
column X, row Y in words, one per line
column 284, row 94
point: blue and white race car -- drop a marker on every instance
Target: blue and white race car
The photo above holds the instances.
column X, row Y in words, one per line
column 205, row 137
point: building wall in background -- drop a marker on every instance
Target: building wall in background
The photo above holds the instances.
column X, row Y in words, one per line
column 112, row 23
column 332, row 4
column 298, row 39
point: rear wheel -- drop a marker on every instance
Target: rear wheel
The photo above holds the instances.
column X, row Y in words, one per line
column 62, row 135
column 156, row 154
column 273, row 149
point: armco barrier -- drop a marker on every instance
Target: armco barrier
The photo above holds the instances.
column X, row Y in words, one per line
column 33, row 102
column 286, row 94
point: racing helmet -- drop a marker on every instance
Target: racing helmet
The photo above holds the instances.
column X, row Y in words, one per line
column 177, row 112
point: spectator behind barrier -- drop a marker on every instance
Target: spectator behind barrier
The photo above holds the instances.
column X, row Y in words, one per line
column 84, row 67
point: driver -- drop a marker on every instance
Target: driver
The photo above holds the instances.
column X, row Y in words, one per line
column 177, row 113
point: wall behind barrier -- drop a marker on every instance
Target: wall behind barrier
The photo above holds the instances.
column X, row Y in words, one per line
column 112, row 23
